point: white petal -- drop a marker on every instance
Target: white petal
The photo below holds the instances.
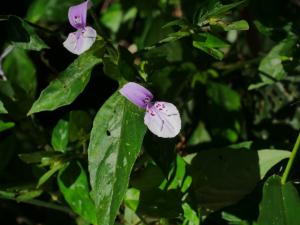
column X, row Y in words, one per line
column 163, row 119
column 80, row 41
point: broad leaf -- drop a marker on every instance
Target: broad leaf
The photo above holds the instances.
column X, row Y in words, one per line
column 280, row 203
column 116, row 140
column 69, row 84
column 73, row 184
column 218, row 183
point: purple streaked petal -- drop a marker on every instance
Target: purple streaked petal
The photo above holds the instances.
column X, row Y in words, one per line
column 137, row 94
column 163, row 119
column 77, row 14
column 81, row 40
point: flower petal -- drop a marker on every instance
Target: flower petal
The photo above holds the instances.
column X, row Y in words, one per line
column 81, row 40
column 77, row 14
column 163, row 119
column 137, row 94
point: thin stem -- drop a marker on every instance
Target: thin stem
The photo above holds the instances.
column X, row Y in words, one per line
column 42, row 204
column 291, row 161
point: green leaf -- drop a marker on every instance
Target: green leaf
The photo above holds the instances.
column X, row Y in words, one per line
column 60, row 136
column 20, row 71
column 28, row 195
column 73, row 184
column 237, row 25
column 271, row 66
column 2, row 108
column 6, row 125
column 112, row 18
column 116, row 140
column 268, row 158
column 219, row 183
column 131, row 198
column 214, row 8
column 190, row 216
column 280, row 203
column 223, row 96
column 210, row 44
column 23, row 35
column 216, row 180
column 199, row 135
column 69, row 84
column 46, row 176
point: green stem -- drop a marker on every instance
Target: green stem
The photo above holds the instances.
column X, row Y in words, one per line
column 291, row 160
column 42, row 204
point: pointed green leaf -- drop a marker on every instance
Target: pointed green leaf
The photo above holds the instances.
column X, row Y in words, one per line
column 269, row 158
column 2, row 108
column 6, row 125
column 280, row 203
column 69, row 84
column 116, row 140
column 60, row 136
column 73, row 184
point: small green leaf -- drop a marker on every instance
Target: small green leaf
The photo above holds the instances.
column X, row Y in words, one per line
column 210, row 44
column 6, row 125
column 190, row 216
column 112, row 18
column 70, row 83
column 131, row 198
column 214, row 8
column 280, row 203
column 28, row 195
column 2, row 108
column 271, row 66
column 46, row 176
column 237, row 25
column 116, row 140
column 269, row 158
column 60, row 136
column 73, row 184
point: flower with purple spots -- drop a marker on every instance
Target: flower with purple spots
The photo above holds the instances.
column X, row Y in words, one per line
column 162, row 118
column 85, row 36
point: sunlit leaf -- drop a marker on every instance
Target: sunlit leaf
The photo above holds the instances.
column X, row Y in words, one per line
column 116, row 139
column 69, row 84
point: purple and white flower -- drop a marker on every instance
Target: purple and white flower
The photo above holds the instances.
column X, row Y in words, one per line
column 85, row 36
column 162, row 118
